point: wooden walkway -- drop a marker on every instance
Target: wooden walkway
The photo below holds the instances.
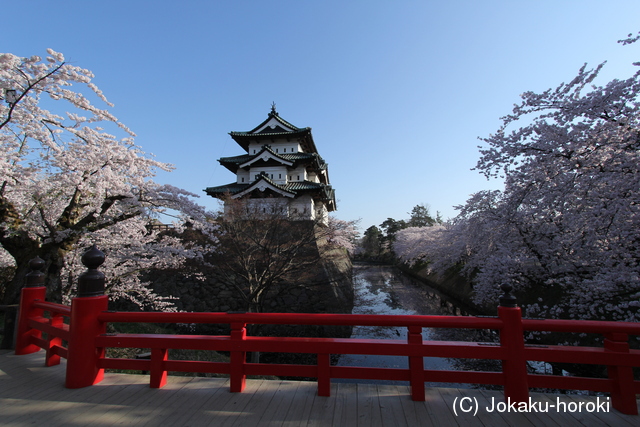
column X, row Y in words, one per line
column 31, row 394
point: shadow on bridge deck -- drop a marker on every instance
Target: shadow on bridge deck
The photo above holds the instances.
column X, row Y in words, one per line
column 31, row 394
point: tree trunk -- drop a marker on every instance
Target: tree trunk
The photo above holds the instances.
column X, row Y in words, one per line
column 23, row 249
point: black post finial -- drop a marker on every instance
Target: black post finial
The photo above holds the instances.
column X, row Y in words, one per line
column 91, row 282
column 507, row 300
column 35, row 277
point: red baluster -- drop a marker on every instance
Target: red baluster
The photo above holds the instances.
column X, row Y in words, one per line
column 82, row 363
column 34, row 290
column 514, row 366
column 238, row 378
column 623, row 396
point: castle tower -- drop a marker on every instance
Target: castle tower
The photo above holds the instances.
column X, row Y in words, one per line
column 281, row 172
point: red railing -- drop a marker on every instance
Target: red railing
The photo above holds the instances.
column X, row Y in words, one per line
column 87, row 341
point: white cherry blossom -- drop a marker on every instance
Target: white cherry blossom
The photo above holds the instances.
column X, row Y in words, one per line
column 72, row 177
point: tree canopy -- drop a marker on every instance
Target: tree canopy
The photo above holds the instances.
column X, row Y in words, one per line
column 66, row 182
column 565, row 227
column 421, row 217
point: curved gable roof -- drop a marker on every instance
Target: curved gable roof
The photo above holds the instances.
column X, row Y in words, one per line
column 276, row 127
column 263, row 183
column 265, row 155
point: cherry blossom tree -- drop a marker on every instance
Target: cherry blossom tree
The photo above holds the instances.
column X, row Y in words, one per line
column 419, row 244
column 565, row 227
column 342, row 234
column 67, row 182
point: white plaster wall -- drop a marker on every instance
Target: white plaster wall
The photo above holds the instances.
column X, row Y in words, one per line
column 279, row 173
column 322, row 213
column 271, row 206
column 313, row 177
column 243, row 174
column 302, row 207
column 298, row 174
column 279, row 146
column 255, row 148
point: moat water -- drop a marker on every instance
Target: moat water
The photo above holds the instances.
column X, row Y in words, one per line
column 386, row 290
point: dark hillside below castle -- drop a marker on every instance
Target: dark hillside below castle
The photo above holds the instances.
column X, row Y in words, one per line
column 318, row 281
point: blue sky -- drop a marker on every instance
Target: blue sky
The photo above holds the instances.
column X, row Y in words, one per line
column 396, row 92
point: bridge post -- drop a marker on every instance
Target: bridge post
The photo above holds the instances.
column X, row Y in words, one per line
column 324, row 374
column 514, row 365
column 623, row 396
column 158, row 373
column 84, row 327
column 32, row 291
column 416, row 366
column 237, row 378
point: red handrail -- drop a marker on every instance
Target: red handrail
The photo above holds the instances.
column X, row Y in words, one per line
column 305, row 319
column 32, row 324
column 53, row 308
column 87, row 341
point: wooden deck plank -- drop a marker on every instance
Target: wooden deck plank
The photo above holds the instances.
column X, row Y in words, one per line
column 611, row 418
column 252, row 414
column 437, row 410
column 449, row 396
column 368, row 407
column 204, row 392
column 231, row 406
column 390, row 401
column 155, row 404
column 495, row 418
column 278, row 408
column 321, row 413
column 221, row 406
column 300, row 410
column 346, row 409
column 417, row 413
column 565, row 419
column 91, row 400
column 28, row 372
column 31, row 394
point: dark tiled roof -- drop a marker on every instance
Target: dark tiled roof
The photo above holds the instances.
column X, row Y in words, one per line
column 232, row 188
column 294, row 187
column 303, row 186
column 283, row 122
column 237, row 159
column 232, row 163
column 302, row 134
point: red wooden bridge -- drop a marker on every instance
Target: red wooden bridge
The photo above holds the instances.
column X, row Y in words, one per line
column 82, row 326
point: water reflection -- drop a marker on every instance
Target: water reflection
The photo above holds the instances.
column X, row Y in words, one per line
column 385, row 290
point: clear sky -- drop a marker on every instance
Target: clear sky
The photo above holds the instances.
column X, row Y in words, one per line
column 396, row 92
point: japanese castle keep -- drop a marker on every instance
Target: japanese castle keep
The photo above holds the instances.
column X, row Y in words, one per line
column 281, row 172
